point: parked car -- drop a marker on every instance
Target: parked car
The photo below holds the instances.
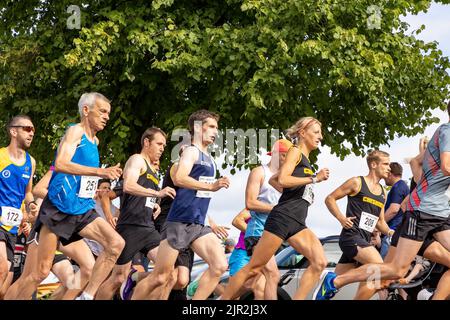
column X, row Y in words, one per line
column 292, row 265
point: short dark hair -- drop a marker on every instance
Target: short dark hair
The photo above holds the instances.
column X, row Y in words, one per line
column 201, row 115
column 103, row 181
column 396, row 169
column 14, row 120
column 150, row 134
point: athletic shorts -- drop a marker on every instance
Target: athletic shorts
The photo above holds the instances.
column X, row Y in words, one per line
column 137, row 239
column 419, row 225
column 284, row 226
column 349, row 247
column 159, row 222
column 10, row 242
column 250, row 244
column 396, row 236
column 59, row 257
column 65, row 226
column 238, row 260
column 185, row 258
column 180, row 235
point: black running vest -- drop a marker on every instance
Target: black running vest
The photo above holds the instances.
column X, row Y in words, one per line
column 137, row 210
column 366, row 207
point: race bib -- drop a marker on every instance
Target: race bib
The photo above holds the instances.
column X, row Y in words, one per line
column 150, row 202
column 11, row 217
column 88, row 187
column 368, row 221
column 308, row 194
column 205, row 194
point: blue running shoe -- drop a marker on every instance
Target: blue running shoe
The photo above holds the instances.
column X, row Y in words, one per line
column 126, row 289
column 326, row 289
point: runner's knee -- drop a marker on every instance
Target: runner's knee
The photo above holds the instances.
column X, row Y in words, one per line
column 116, row 246
column 42, row 271
column 319, row 264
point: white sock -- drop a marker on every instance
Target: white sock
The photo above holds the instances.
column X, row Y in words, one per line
column 86, row 296
column 135, row 277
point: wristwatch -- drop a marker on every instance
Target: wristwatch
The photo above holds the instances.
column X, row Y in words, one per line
column 314, row 180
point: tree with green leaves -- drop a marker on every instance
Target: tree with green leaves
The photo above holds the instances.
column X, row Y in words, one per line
column 259, row 63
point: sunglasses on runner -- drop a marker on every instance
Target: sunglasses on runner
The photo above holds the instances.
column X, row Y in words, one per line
column 25, row 128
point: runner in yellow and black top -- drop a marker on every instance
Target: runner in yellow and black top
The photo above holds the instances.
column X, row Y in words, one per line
column 16, row 182
column 365, row 212
column 286, row 221
column 138, row 204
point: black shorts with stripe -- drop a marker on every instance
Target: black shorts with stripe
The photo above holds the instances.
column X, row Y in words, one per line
column 419, row 225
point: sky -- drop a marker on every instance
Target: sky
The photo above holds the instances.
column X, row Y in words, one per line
column 226, row 203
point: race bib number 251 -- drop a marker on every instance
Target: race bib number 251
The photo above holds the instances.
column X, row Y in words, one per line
column 88, row 187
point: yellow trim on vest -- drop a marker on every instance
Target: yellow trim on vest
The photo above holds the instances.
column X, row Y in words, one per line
column 152, row 178
column 4, row 159
column 360, row 186
column 308, row 171
column 373, row 201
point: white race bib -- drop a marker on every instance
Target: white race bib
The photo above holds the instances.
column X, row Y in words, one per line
column 88, row 187
column 11, row 217
column 368, row 221
column 150, row 202
column 205, row 194
column 308, row 194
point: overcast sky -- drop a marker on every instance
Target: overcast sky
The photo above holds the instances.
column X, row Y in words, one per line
column 227, row 203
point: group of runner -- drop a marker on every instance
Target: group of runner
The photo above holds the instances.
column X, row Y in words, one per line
column 69, row 214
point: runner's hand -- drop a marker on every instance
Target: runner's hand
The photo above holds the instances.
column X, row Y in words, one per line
column 113, row 222
column 220, row 183
column 167, row 192
column 156, row 211
column 33, row 208
column 111, row 173
column 220, row 231
column 323, row 175
column 347, row 222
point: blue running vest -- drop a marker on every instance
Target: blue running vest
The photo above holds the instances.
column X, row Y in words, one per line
column 64, row 189
column 14, row 179
column 187, row 206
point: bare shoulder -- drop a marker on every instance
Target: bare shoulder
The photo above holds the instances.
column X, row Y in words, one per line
column 74, row 133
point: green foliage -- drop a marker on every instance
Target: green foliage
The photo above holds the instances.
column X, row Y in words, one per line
column 260, row 64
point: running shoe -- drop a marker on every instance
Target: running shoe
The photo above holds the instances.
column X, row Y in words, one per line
column 127, row 287
column 326, row 289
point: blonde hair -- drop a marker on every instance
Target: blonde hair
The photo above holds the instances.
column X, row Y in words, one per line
column 302, row 123
column 375, row 156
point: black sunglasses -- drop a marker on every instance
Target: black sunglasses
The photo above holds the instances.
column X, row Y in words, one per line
column 25, row 128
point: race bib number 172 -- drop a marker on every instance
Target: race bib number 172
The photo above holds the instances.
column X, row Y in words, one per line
column 11, row 217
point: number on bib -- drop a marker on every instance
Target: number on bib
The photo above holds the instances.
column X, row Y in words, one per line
column 88, row 187
column 150, row 202
column 11, row 217
column 368, row 221
column 308, row 194
column 205, row 194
